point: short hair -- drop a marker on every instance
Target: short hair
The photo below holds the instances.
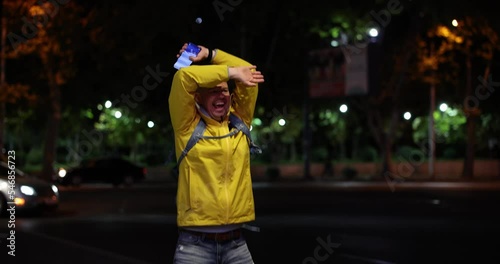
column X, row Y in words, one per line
column 231, row 86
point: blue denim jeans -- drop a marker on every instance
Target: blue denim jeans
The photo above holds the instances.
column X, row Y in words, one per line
column 193, row 249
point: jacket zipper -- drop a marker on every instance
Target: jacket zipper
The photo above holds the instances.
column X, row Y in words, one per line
column 228, row 151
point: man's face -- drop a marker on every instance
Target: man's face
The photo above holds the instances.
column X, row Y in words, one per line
column 215, row 100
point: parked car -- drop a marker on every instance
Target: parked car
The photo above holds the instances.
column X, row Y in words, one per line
column 24, row 192
column 103, row 170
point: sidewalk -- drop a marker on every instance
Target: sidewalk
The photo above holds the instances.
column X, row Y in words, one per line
column 358, row 185
column 382, row 185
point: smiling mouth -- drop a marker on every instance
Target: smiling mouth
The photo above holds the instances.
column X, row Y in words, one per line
column 219, row 105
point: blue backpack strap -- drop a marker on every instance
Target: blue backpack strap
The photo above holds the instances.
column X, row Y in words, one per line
column 241, row 126
column 235, row 121
column 195, row 137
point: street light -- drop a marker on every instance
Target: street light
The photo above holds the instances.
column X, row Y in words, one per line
column 443, row 107
column 334, row 43
column 281, row 122
column 407, row 116
column 373, row 32
column 343, row 108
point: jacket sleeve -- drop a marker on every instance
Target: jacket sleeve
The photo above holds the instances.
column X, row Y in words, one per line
column 184, row 85
column 244, row 98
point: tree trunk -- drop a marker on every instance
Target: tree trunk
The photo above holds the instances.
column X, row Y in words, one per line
column 468, row 172
column 385, row 138
column 472, row 118
column 432, row 133
column 355, row 147
column 343, row 151
column 380, row 138
column 2, row 128
column 54, row 120
column 387, row 154
column 293, row 152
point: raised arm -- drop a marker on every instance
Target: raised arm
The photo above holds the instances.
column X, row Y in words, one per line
column 190, row 78
column 244, row 96
column 184, row 85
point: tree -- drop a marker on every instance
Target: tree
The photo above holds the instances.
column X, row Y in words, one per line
column 10, row 92
column 481, row 42
column 276, row 132
column 447, row 126
column 430, row 57
column 472, row 43
column 382, row 106
column 334, row 127
column 49, row 31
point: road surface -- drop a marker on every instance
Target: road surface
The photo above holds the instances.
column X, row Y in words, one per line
column 300, row 222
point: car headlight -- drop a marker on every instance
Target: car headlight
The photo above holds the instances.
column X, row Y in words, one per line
column 27, row 190
column 54, row 189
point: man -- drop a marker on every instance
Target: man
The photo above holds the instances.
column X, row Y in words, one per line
column 214, row 193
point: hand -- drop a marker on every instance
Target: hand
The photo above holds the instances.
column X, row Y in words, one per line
column 201, row 56
column 247, row 75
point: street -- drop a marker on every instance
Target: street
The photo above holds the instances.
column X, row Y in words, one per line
column 300, row 222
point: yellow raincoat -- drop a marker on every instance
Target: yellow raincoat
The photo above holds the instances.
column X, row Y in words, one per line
column 214, row 186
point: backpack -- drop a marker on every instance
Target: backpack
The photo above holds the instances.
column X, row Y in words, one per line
column 234, row 122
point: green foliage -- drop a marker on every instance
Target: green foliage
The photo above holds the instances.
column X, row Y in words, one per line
column 367, row 154
column 449, row 126
column 409, row 153
column 352, row 23
column 124, row 130
column 34, row 156
column 450, row 153
column 489, row 128
column 489, row 125
column 277, row 131
column 333, row 124
column 115, row 62
column 19, row 128
column 319, row 153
